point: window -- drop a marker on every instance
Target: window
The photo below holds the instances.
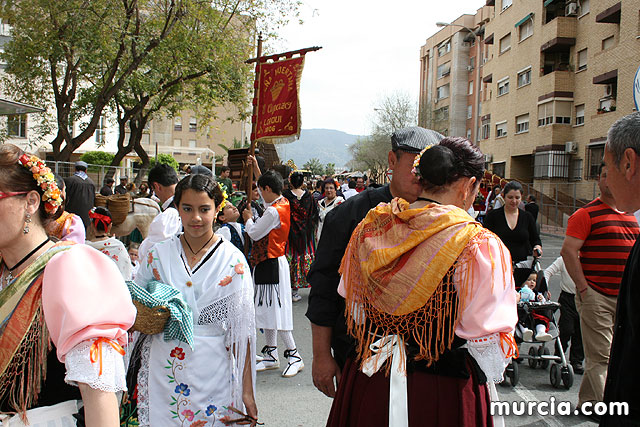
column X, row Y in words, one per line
column 499, row 169
column 545, row 114
column 558, row 112
column 503, row 87
column 472, row 62
column 582, row 60
column 444, row 48
column 442, row 114
column 177, row 142
column 506, row 4
column 595, row 153
column 17, row 125
column 501, row 129
column 5, row 29
column 469, row 134
column 505, row 43
column 563, row 112
column 443, row 91
column 101, row 131
column 607, row 43
column 486, row 129
column 470, row 91
column 526, row 29
column 469, row 111
column 551, row 164
column 192, row 143
column 579, row 115
column 522, row 123
column 524, row 77
column 193, row 124
column 177, row 123
column 584, row 7
column 444, row 70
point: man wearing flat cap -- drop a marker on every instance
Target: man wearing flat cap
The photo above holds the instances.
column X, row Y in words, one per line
column 81, row 192
column 122, row 187
column 326, row 307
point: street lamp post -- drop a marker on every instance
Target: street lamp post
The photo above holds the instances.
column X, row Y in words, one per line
column 477, row 78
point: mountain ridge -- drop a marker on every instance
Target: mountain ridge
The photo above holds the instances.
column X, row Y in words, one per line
column 327, row 145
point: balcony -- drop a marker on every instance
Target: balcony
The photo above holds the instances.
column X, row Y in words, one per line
column 562, row 27
column 561, row 83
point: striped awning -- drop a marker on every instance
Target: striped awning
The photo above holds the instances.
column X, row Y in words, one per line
column 525, row 19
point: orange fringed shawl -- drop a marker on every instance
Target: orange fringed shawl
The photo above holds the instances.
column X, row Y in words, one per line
column 398, row 270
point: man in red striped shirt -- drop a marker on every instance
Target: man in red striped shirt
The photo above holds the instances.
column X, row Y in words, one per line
column 596, row 247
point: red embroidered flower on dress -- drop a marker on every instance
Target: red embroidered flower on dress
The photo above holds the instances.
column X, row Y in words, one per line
column 188, row 414
column 239, row 268
column 178, row 353
column 150, row 258
column 156, row 275
column 199, row 423
column 225, row 281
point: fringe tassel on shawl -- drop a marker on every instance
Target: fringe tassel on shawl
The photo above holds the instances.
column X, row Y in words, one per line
column 432, row 327
column 24, row 377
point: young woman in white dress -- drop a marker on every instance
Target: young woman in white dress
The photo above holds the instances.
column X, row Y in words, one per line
column 179, row 385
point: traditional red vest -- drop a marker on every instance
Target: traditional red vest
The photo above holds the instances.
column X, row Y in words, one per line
column 274, row 244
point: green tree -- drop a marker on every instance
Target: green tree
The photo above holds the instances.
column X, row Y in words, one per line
column 97, row 158
column 314, row 166
column 167, row 159
column 76, row 56
column 330, row 169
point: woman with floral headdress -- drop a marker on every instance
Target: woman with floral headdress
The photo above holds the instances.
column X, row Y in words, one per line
column 68, row 295
column 67, row 226
column 430, row 301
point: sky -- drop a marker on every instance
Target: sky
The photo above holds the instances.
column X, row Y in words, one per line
column 370, row 48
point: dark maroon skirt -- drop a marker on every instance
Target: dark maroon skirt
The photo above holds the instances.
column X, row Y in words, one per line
column 434, row 400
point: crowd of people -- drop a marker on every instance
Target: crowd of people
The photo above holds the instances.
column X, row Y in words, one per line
column 413, row 299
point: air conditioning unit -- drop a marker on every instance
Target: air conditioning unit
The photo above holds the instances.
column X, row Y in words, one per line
column 608, row 90
column 571, row 147
column 571, row 9
column 469, row 67
column 466, row 44
column 488, row 158
column 436, row 101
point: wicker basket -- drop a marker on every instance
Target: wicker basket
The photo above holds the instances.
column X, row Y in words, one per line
column 101, row 200
column 150, row 320
column 119, row 205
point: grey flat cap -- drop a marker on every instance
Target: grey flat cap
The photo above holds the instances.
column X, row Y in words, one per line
column 201, row 170
column 414, row 139
column 81, row 164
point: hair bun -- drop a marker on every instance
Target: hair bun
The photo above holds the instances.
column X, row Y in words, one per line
column 437, row 164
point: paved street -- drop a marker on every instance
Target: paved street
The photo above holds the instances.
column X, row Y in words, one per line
column 296, row 402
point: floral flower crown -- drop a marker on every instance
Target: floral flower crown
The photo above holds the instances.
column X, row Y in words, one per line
column 52, row 196
column 224, row 198
column 416, row 162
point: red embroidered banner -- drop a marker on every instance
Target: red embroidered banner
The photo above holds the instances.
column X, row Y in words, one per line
column 278, row 112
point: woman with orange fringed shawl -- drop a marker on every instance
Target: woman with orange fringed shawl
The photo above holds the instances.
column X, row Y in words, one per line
column 431, row 302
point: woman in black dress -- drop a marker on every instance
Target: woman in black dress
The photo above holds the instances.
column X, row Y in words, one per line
column 515, row 227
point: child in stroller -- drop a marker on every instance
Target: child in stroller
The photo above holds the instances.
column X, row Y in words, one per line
column 533, row 318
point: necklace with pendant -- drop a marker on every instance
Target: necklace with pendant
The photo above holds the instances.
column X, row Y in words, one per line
column 195, row 253
column 9, row 278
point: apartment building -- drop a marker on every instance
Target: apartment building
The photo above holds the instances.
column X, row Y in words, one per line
column 558, row 74
column 450, row 76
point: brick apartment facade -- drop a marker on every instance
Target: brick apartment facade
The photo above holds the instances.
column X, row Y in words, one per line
column 555, row 74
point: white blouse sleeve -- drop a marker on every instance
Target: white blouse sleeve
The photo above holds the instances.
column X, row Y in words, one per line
column 269, row 220
column 104, row 371
column 224, row 232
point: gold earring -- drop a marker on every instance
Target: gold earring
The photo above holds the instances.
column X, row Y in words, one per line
column 27, row 221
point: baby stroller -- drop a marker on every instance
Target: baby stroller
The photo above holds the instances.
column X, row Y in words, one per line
column 539, row 354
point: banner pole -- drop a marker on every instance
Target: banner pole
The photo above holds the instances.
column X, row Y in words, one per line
column 254, row 118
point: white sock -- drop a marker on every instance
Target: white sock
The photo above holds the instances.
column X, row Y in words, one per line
column 540, row 329
column 287, row 337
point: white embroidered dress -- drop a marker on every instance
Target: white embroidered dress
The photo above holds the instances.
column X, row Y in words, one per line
column 178, row 386
column 114, row 249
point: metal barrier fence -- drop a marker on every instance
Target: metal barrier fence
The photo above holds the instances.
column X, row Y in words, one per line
column 97, row 173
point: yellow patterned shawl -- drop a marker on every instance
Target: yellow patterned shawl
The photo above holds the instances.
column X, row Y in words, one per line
column 397, row 272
